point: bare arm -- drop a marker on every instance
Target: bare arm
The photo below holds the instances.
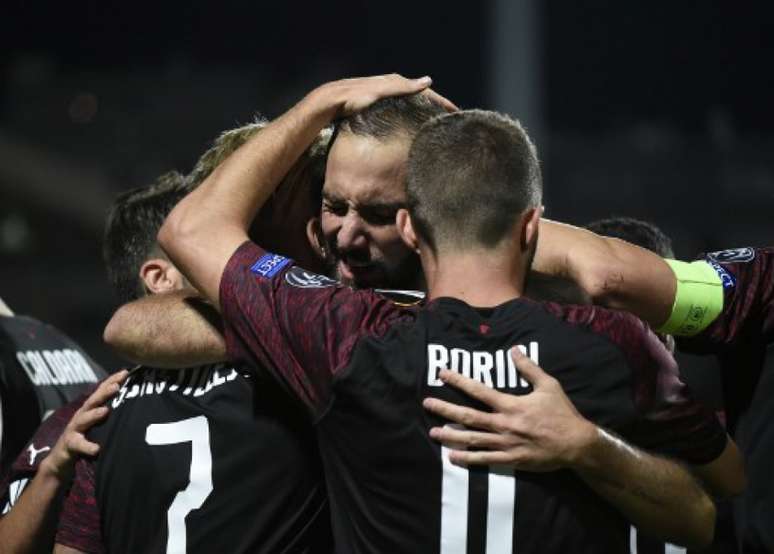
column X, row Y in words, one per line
column 168, row 330
column 61, row 549
column 206, row 227
column 31, row 524
column 612, row 272
column 4, row 309
column 543, row 431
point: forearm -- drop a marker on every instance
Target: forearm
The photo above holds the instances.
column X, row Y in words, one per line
column 659, row 496
column 612, row 272
column 170, row 330
column 31, row 524
column 215, row 217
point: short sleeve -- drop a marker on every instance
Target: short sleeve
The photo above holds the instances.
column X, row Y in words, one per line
column 747, row 275
column 79, row 522
column 668, row 418
column 298, row 326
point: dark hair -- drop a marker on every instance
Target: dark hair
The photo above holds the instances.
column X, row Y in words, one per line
column 390, row 117
column 641, row 233
column 471, row 174
column 130, row 231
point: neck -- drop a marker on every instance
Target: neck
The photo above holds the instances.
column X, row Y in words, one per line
column 479, row 278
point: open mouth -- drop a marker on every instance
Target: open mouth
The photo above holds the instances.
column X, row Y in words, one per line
column 356, row 271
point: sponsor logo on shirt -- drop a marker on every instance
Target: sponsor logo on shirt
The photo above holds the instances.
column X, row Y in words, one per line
column 34, row 452
column 298, row 277
column 269, row 265
column 734, row 255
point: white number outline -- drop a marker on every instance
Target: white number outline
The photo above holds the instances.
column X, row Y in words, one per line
column 501, row 508
column 195, row 430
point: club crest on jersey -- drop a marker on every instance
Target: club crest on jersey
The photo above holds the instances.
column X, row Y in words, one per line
column 298, row 277
column 733, row 255
column 269, row 265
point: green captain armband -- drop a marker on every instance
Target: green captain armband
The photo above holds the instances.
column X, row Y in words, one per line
column 698, row 299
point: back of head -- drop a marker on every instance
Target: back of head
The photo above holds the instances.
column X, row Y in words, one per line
column 641, row 233
column 471, row 175
column 131, row 228
column 395, row 116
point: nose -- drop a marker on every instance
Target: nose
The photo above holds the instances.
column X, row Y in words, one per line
column 352, row 234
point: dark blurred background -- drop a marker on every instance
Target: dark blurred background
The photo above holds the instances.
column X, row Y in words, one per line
column 657, row 110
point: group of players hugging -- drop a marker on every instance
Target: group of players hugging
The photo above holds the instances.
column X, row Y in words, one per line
column 356, row 333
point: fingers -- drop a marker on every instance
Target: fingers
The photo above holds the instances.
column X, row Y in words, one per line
column 466, row 438
column 78, row 445
column 528, row 369
column 442, row 101
column 473, row 388
column 461, row 414
column 479, row 457
column 105, row 390
column 85, row 420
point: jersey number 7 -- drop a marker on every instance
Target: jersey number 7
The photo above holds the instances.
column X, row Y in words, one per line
column 195, row 430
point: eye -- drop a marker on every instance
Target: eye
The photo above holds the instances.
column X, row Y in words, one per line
column 336, row 208
column 378, row 216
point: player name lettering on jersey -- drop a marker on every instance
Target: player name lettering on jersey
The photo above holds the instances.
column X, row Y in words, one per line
column 56, row 367
column 493, row 369
column 190, row 382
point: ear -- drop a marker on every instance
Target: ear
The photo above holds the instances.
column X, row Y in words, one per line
column 530, row 224
column 406, row 229
column 315, row 237
column 159, row 275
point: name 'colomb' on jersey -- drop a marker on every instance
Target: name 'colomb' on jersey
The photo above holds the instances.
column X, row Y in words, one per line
column 493, row 369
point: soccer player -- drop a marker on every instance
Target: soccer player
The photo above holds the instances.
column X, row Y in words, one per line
column 198, row 460
column 720, row 304
column 41, row 369
column 44, row 469
column 640, row 233
column 351, row 356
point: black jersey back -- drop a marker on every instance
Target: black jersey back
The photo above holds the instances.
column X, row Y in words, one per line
column 363, row 366
column 41, row 369
column 199, row 461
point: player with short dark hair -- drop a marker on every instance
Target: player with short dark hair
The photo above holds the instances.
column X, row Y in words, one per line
column 723, row 304
column 224, row 466
column 351, row 357
column 636, row 231
column 364, row 188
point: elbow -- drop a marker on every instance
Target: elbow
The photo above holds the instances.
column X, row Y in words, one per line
column 116, row 333
column 703, row 533
column 603, row 284
column 184, row 226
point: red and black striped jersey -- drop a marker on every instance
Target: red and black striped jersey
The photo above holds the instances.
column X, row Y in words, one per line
column 362, row 365
column 199, row 460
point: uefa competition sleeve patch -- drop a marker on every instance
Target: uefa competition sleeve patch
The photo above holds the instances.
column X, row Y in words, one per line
column 726, row 277
column 734, row 255
column 269, row 265
column 299, row 277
